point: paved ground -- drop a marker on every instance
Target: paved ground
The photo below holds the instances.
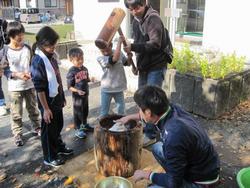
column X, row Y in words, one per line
column 20, row 163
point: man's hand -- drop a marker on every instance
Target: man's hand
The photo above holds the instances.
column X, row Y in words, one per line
column 127, row 48
column 140, row 175
column 123, row 120
column 47, row 116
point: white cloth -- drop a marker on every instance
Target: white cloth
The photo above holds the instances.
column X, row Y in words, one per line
column 51, row 75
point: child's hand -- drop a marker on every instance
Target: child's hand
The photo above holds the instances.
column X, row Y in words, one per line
column 47, row 116
column 27, row 76
column 21, row 75
column 80, row 92
column 121, row 39
column 92, row 79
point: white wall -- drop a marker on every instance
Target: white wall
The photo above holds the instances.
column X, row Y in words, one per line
column 90, row 17
column 22, row 3
column 31, row 3
column 226, row 26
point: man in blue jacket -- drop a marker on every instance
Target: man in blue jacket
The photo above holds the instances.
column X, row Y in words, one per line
column 184, row 150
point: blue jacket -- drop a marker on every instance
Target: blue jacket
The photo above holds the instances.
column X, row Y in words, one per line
column 189, row 152
column 40, row 81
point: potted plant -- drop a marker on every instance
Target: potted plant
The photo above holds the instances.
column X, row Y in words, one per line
column 207, row 83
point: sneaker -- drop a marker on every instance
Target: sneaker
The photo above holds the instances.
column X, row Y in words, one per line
column 54, row 163
column 66, row 151
column 18, row 140
column 3, row 111
column 148, row 141
column 37, row 132
column 80, row 133
column 87, row 128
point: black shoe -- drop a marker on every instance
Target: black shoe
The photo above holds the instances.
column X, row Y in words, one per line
column 54, row 163
column 65, row 151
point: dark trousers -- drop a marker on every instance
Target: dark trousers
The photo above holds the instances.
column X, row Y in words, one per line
column 80, row 110
column 1, row 89
column 51, row 136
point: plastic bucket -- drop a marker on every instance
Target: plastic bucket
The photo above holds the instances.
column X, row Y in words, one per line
column 243, row 178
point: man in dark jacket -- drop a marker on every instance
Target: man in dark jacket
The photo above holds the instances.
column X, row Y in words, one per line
column 184, row 151
column 149, row 43
column 148, row 35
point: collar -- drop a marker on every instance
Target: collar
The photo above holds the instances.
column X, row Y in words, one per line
column 163, row 115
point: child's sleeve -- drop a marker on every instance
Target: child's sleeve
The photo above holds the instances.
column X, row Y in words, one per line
column 38, row 74
column 104, row 61
column 70, row 79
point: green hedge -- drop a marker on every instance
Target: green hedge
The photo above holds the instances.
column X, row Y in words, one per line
column 206, row 64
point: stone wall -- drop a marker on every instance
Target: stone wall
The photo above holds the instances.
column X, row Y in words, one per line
column 63, row 48
column 207, row 97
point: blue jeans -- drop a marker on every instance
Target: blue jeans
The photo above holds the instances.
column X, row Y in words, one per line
column 2, row 100
column 157, row 151
column 155, row 77
column 106, row 101
column 184, row 185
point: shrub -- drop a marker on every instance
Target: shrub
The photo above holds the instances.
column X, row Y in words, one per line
column 206, row 64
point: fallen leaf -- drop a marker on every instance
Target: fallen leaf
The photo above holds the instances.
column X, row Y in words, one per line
column 19, row 186
column 3, row 176
column 69, row 180
column 45, row 177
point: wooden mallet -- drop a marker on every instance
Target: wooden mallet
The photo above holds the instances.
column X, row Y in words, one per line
column 108, row 31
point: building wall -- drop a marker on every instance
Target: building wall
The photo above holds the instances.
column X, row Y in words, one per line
column 58, row 10
column 226, row 26
column 90, row 17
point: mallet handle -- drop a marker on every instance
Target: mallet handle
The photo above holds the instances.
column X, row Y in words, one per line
column 134, row 69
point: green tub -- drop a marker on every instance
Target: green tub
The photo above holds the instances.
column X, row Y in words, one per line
column 243, row 178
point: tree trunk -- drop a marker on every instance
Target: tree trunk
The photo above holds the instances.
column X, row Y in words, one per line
column 117, row 153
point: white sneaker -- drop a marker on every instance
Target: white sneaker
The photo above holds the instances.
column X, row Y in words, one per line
column 3, row 111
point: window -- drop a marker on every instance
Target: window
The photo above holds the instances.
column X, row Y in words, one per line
column 50, row 3
column 192, row 16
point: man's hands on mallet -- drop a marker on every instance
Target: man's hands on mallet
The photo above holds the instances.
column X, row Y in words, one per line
column 127, row 48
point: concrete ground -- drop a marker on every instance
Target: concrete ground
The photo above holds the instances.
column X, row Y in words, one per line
column 24, row 165
column 20, row 163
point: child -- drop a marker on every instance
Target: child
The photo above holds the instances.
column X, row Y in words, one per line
column 113, row 81
column 51, row 100
column 20, row 85
column 77, row 79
